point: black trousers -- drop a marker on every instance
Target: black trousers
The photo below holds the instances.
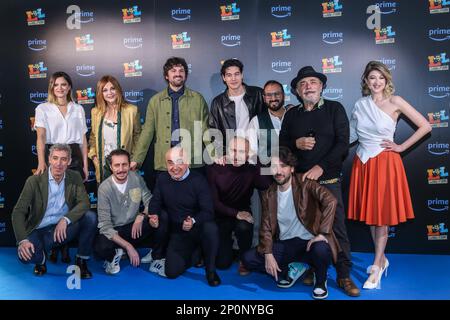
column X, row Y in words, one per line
column 106, row 249
column 244, row 236
column 344, row 263
column 183, row 245
column 287, row 251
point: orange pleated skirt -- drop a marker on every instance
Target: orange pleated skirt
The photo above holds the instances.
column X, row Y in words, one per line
column 379, row 193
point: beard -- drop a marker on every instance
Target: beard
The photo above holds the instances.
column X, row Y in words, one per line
column 277, row 107
column 282, row 181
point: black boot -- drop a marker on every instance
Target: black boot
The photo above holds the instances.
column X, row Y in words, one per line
column 84, row 271
column 213, row 278
column 40, row 269
column 65, row 257
column 53, row 256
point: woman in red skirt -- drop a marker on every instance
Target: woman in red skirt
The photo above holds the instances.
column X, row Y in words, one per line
column 379, row 193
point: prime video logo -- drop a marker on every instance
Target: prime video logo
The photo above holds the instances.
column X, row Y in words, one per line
column 91, row 176
column 85, row 70
column 38, row 97
column 134, row 96
column 390, row 63
column 439, row 34
column 387, row 7
column 438, row 204
column 37, row 44
column 133, row 42
column 438, row 149
column 88, row 16
column 333, row 93
column 281, row 66
column 333, row 37
column 439, row 92
column 181, row 14
column 231, row 40
column 281, row 11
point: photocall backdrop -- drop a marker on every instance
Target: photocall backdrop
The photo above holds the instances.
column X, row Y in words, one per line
column 274, row 39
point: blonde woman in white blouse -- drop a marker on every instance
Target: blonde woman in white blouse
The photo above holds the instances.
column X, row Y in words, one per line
column 61, row 120
column 379, row 193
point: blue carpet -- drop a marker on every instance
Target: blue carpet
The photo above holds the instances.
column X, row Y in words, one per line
column 410, row 277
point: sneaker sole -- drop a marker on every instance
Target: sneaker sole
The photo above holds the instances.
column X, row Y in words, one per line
column 320, row 298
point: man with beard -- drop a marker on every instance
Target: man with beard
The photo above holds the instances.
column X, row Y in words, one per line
column 297, row 225
column 122, row 224
column 175, row 108
column 317, row 132
column 267, row 122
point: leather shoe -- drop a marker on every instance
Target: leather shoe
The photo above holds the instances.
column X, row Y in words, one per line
column 84, row 271
column 65, row 257
column 40, row 269
column 243, row 270
column 213, row 278
column 53, row 256
column 349, row 287
column 308, row 278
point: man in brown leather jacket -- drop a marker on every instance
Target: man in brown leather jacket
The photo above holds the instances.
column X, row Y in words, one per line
column 297, row 225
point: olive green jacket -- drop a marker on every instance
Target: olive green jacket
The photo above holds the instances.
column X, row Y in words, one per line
column 30, row 208
column 157, row 127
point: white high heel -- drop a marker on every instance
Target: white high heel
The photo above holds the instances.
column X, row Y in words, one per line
column 372, row 269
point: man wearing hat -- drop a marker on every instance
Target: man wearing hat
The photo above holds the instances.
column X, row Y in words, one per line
column 317, row 131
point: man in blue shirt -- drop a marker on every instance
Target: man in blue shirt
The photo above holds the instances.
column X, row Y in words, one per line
column 52, row 210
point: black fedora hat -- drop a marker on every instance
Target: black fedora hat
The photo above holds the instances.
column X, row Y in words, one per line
column 307, row 71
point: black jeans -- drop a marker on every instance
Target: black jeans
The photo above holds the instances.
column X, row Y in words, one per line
column 183, row 245
column 106, row 249
column 244, row 235
column 84, row 230
column 344, row 263
column 287, row 251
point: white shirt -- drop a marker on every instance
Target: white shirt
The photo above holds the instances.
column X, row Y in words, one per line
column 241, row 112
column 370, row 125
column 60, row 129
column 253, row 134
column 110, row 137
column 120, row 186
column 288, row 222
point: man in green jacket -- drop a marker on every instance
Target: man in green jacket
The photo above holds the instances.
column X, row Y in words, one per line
column 176, row 115
column 52, row 210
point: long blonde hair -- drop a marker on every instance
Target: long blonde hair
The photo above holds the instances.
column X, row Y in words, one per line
column 389, row 89
column 100, row 101
column 51, row 95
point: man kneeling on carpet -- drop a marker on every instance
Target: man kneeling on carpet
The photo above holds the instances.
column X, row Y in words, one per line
column 53, row 210
column 296, row 225
column 185, row 195
column 122, row 225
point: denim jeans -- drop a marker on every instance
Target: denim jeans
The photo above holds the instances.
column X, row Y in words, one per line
column 84, row 230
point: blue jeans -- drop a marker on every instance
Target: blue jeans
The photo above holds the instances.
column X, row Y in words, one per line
column 84, row 229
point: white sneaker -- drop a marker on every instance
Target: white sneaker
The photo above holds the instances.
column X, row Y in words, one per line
column 147, row 258
column 158, row 267
column 113, row 267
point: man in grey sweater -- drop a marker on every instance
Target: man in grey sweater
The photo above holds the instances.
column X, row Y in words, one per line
column 122, row 225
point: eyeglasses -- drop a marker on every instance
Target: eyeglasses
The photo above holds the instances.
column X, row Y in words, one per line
column 273, row 94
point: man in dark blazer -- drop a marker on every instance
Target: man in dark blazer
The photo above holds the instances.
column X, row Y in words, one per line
column 53, row 209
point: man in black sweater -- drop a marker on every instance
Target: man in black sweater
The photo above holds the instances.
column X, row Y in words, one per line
column 317, row 131
column 186, row 198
